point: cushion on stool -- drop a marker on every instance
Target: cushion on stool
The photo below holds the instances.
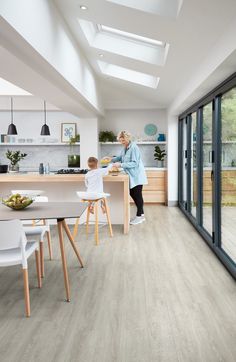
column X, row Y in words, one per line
column 84, row 195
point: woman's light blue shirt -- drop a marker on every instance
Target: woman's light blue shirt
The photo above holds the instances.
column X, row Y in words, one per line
column 132, row 164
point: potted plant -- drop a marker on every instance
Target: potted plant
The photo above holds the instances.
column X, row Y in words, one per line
column 107, row 136
column 159, row 155
column 14, row 157
column 74, row 159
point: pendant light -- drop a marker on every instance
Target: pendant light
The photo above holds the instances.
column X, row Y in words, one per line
column 12, row 128
column 45, row 129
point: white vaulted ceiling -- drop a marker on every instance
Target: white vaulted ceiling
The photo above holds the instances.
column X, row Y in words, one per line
column 191, row 28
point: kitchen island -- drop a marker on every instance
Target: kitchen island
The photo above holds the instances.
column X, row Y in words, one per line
column 64, row 187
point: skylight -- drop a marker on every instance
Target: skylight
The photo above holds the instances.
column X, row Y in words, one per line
column 125, row 44
column 128, row 75
column 130, row 36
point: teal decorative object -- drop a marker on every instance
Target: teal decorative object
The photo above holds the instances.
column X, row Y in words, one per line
column 150, row 129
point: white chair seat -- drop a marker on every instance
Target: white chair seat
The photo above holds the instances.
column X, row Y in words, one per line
column 14, row 256
column 84, row 195
column 36, row 230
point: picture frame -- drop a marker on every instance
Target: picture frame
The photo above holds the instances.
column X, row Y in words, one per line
column 68, row 130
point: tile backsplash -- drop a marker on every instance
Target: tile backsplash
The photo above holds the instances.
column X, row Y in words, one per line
column 56, row 156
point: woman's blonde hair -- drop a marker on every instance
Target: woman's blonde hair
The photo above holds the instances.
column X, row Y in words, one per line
column 124, row 134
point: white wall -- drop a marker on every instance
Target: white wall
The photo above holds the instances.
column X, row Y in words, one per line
column 172, row 152
column 36, row 33
column 29, row 126
column 134, row 121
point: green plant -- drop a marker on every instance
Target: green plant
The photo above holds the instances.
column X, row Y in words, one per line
column 75, row 139
column 159, row 154
column 107, row 136
column 15, row 156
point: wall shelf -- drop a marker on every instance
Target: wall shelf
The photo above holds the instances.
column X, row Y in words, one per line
column 40, row 144
column 138, row 143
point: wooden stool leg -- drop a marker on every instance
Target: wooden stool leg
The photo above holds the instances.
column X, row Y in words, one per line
column 75, row 231
column 37, row 258
column 96, row 223
column 87, row 221
column 41, row 258
column 108, row 216
column 26, row 292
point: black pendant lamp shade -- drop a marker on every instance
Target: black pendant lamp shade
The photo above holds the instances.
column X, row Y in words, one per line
column 12, row 128
column 45, row 129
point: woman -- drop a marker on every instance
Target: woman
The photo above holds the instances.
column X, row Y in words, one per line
column 130, row 161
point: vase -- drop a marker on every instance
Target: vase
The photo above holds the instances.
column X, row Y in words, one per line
column 14, row 168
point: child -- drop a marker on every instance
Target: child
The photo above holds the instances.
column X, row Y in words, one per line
column 94, row 180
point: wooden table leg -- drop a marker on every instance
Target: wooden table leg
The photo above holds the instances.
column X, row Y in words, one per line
column 70, row 237
column 63, row 258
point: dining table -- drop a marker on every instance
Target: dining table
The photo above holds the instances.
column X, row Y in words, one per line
column 51, row 210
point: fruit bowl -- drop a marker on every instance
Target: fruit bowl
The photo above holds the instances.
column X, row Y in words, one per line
column 17, row 202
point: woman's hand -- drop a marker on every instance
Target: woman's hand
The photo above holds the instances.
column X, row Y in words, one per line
column 117, row 164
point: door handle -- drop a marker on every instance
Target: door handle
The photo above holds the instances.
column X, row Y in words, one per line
column 212, row 175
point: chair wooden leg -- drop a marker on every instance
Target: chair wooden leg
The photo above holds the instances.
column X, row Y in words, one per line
column 63, row 259
column 26, row 292
column 38, row 269
column 41, row 258
column 96, row 223
column 75, row 231
column 49, row 241
column 87, row 221
column 108, row 217
column 49, row 244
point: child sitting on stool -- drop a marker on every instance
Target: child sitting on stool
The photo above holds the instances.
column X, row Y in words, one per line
column 94, row 181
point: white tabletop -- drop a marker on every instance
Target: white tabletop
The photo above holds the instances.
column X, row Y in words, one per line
column 45, row 210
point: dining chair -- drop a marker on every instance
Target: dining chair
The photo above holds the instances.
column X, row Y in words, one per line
column 40, row 230
column 94, row 198
column 15, row 250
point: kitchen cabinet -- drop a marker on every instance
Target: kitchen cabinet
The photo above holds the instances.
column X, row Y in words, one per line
column 155, row 192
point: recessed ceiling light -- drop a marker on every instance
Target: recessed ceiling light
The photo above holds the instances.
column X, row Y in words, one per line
column 83, row 7
column 101, row 55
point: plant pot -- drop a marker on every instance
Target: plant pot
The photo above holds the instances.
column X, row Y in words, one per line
column 14, row 168
column 160, row 164
column 73, row 160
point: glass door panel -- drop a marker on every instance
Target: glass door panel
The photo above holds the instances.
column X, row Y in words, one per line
column 194, row 196
column 207, row 168
column 184, row 163
column 228, row 173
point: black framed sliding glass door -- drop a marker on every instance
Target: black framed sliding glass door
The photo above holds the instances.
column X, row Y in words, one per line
column 207, row 169
column 228, row 174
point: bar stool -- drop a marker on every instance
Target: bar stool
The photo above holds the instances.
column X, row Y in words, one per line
column 91, row 197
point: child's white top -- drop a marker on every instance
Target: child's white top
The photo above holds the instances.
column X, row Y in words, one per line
column 94, row 179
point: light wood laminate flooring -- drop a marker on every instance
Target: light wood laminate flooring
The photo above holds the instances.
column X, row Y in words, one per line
column 157, row 294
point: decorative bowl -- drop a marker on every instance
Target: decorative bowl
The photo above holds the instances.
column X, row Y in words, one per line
column 17, row 202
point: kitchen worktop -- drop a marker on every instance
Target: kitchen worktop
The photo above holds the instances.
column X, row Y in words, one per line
column 63, row 187
column 52, row 177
